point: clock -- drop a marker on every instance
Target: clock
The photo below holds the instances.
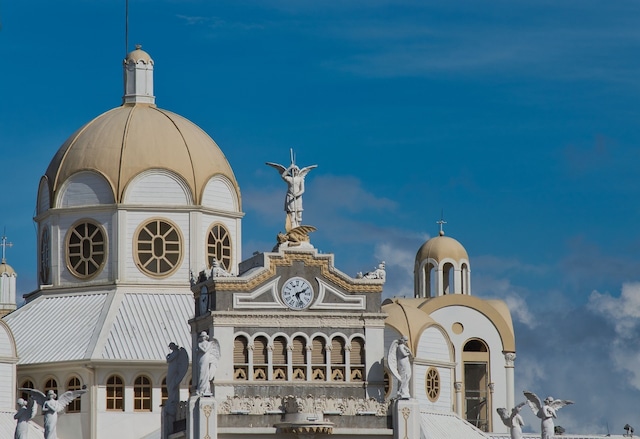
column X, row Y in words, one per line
column 297, row 293
column 204, row 300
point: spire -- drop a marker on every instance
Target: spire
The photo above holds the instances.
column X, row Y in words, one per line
column 138, row 78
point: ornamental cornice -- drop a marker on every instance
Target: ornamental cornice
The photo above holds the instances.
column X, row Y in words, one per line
column 298, row 319
column 286, row 258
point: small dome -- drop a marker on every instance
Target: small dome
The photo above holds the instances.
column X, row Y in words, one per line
column 442, row 247
column 6, row 269
column 127, row 140
column 139, row 55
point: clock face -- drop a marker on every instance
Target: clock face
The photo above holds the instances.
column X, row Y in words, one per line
column 297, row 293
column 204, row 300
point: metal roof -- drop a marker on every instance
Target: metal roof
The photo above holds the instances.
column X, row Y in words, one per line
column 145, row 325
column 447, row 426
column 8, row 426
column 58, row 328
column 110, row 325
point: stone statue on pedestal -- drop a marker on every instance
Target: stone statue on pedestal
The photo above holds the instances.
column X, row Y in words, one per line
column 399, row 359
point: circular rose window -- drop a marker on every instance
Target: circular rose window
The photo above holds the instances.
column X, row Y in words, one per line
column 86, row 249
column 158, row 247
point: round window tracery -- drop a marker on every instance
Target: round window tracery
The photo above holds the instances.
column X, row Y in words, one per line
column 158, row 247
column 45, row 257
column 219, row 246
column 432, row 384
column 86, row 249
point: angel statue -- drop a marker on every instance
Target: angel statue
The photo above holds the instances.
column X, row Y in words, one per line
column 546, row 411
column 513, row 420
column 52, row 406
column 26, row 412
column 399, row 359
column 294, row 177
column 208, row 355
column 177, row 366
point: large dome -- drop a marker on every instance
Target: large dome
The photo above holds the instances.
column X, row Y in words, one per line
column 132, row 138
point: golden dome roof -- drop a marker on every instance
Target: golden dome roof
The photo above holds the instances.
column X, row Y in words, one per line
column 127, row 140
column 441, row 247
column 6, row 269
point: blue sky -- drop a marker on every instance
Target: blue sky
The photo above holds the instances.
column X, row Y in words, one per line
column 516, row 120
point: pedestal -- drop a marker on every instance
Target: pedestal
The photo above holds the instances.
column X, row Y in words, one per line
column 406, row 419
column 202, row 420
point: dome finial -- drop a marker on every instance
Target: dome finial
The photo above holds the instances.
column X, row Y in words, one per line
column 4, row 244
column 441, row 223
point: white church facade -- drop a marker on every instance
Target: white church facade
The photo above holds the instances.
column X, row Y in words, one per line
column 132, row 212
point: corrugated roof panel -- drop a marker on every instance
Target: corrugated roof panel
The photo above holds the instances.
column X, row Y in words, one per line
column 8, row 426
column 448, row 426
column 53, row 329
column 145, row 325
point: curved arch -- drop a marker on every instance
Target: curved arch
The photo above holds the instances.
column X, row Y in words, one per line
column 220, row 193
column 158, row 187
column 43, row 202
column 9, row 340
column 85, row 188
column 114, row 392
column 502, row 322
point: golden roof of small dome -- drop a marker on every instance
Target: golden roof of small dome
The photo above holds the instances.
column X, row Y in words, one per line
column 441, row 247
column 127, row 140
column 6, row 269
column 139, row 55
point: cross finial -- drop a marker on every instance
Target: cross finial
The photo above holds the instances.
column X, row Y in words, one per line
column 4, row 244
column 442, row 222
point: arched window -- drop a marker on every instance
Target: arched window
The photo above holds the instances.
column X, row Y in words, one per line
column 219, row 246
column 260, row 359
column 357, row 360
column 75, row 405
column 432, row 384
column 142, row 394
column 279, row 358
column 475, row 357
column 448, row 286
column 299, row 358
column 465, row 279
column 319, row 360
column 164, row 391
column 51, row 384
column 26, row 384
column 431, row 281
column 240, row 358
column 337, row 359
column 115, row 393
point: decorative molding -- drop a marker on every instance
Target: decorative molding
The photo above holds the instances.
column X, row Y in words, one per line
column 286, row 258
column 509, row 359
column 266, row 405
column 248, row 300
column 358, row 302
column 298, row 320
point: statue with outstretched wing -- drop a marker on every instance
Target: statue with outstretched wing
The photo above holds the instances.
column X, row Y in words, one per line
column 513, row 420
column 545, row 410
column 52, row 405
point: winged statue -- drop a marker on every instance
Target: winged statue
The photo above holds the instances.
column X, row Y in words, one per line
column 294, row 177
column 513, row 420
column 52, row 405
column 545, row 410
column 208, row 356
column 399, row 361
